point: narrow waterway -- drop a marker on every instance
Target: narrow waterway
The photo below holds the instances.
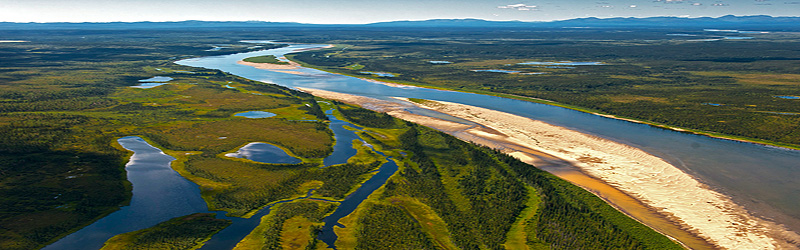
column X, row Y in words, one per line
column 766, row 180
column 159, row 194
column 343, row 149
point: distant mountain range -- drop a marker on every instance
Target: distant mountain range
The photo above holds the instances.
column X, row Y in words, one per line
column 725, row 22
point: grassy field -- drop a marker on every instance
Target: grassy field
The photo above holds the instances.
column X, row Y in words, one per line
column 699, row 86
column 185, row 232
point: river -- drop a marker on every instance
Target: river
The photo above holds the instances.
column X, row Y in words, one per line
column 764, row 179
column 160, row 194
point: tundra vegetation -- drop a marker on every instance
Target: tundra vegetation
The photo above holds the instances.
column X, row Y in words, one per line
column 185, row 232
column 65, row 97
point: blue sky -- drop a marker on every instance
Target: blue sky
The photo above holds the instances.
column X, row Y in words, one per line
column 367, row 11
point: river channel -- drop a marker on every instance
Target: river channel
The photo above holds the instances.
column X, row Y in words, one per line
column 764, row 179
column 160, row 193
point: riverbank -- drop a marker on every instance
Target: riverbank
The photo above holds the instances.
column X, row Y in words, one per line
column 271, row 66
column 645, row 177
column 391, row 82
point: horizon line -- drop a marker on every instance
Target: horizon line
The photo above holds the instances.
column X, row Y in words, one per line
column 399, row 20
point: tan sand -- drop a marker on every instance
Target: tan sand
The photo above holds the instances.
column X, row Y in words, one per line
column 635, row 172
column 326, row 47
column 271, row 66
column 396, row 85
column 646, row 178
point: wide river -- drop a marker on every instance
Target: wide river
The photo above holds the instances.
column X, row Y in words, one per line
column 764, row 179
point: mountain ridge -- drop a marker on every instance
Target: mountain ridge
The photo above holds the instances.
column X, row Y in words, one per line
column 728, row 21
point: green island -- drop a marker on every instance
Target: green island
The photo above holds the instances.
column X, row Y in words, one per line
column 265, row 59
column 735, row 89
column 185, row 232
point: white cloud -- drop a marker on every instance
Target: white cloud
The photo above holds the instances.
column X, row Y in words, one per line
column 519, row 6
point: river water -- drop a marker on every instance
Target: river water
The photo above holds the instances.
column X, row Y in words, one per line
column 764, row 179
column 160, row 194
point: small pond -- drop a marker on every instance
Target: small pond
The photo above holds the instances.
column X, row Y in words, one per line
column 440, row 62
column 255, row 114
column 788, row 97
column 153, row 82
column 381, row 74
column 264, row 153
column 566, row 63
column 496, row 71
column 782, row 113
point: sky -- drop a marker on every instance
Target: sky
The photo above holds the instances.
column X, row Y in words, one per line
column 369, row 11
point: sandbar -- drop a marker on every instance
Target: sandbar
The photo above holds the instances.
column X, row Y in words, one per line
column 647, row 178
column 307, row 49
column 271, row 66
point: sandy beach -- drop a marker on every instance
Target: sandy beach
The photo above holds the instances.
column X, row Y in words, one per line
column 649, row 179
column 271, row 66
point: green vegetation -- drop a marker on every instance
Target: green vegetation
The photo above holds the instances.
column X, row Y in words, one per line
column 65, row 101
column 65, row 98
column 482, row 199
column 389, row 227
column 289, row 226
column 265, row 59
column 475, row 200
column 367, row 117
column 185, row 232
column 700, row 86
column 340, row 179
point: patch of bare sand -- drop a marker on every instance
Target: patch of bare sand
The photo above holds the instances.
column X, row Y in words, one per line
column 390, row 84
column 271, row 66
column 307, row 49
column 646, row 177
column 392, row 108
